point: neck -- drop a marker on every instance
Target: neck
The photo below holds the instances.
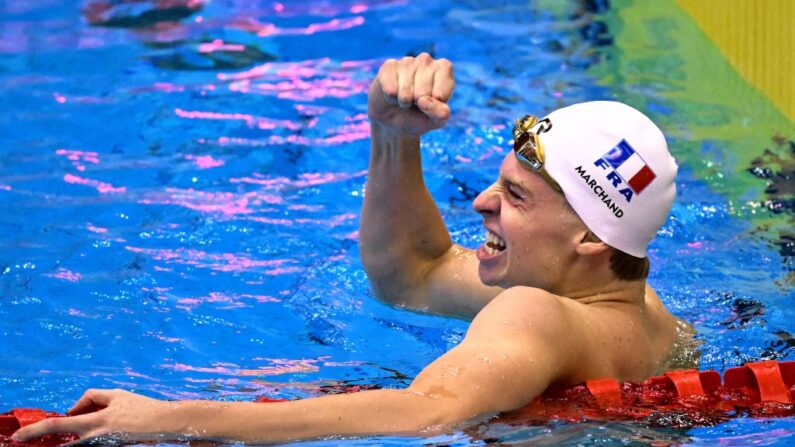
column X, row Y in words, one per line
column 594, row 285
column 616, row 291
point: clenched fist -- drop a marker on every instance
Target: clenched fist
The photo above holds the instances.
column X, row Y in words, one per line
column 410, row 95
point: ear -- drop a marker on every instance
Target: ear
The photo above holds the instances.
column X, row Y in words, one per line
column 590, row 245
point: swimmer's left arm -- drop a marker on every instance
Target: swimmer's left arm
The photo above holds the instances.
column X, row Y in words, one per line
column 513, row 350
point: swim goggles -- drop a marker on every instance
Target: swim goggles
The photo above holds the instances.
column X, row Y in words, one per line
column 527, row 146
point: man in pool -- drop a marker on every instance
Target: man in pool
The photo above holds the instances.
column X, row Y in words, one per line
column 557, row 292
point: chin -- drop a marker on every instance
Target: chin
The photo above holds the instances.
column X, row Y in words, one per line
column 491, row 279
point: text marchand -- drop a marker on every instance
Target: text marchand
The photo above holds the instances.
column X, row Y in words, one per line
column 599, row 192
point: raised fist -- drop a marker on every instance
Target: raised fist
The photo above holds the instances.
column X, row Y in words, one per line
column 410, row 95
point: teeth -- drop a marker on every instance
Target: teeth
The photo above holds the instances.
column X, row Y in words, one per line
column 493, row 241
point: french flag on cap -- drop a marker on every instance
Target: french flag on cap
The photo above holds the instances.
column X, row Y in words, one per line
column 630, row 166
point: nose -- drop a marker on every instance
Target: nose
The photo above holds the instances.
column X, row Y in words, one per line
column 487, row 202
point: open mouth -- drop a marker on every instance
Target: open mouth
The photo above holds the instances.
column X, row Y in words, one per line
column 494, row 244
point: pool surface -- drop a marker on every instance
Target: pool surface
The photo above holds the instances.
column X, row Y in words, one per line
column 180, row 190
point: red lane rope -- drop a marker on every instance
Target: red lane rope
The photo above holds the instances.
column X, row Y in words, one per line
column 683, row 398
column 606, row 391
column 686, row 381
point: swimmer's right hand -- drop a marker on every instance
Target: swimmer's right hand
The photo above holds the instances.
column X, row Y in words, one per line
column 410, row 95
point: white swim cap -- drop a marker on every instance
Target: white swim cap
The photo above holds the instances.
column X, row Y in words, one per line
column 615, row 170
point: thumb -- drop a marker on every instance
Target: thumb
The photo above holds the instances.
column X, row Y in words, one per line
column 437, row 111
column 91, row 401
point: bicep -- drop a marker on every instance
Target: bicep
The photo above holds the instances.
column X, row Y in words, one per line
column 468, row 382
column 452, row 285
column 508, row 358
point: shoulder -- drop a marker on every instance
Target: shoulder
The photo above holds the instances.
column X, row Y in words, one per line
column 530, row 323
column 534, row 312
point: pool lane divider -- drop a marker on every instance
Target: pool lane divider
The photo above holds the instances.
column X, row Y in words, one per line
column 676, row 399
column 765, row 389
column 20, row 417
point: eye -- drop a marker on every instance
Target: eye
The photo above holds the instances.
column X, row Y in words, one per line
column 513, row 193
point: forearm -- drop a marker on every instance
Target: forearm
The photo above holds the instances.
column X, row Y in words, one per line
column 355, row 414
column 401, row 229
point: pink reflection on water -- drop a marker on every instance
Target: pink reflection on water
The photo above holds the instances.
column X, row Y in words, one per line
column 132, row 373
column 76, row 313
column 305, row 80
column 94, row 229
column 300, row 90
column 302, row 207
column 79, row 157
column 303, row 181
column 224, row 203
column 332, row 222
column 168, row 87
column 283, row 366
column 5, row 187
column 343, row 134
column 270, row 29
column 161, row 337
column 329, row 223
column 159, row 290
column 349, row 133
column 283, row 271
column 250, row 120
column 169, row 394
column 229, row 369
column 347, row 363
column 61, row 99
column 66, row 275
column 233, row 300
column 101, row 187
column 276, row 70
column 493, row 151
column 310, row 110
column 205, row 161
column 222, row 262
column 219, row 45
column 271, row 221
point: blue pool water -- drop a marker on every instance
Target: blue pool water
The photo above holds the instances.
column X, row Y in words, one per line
column 180, row 189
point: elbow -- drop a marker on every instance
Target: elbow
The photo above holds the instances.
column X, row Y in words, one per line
column 390, row 279
column 386, row 286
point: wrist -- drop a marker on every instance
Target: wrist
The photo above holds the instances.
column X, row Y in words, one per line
column 189, row 417
column 387, row 137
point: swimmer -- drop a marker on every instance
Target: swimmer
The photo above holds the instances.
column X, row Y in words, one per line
column 557, row 294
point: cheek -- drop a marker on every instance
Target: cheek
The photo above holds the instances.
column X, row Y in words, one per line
column 539, row 241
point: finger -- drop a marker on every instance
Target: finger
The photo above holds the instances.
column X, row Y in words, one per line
column 423, row 78
column 406, row 71
column 91, row 401
column 74, row 424
column 437, row 111
column 443, row 80
column 94, row 434
column 388, row 80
